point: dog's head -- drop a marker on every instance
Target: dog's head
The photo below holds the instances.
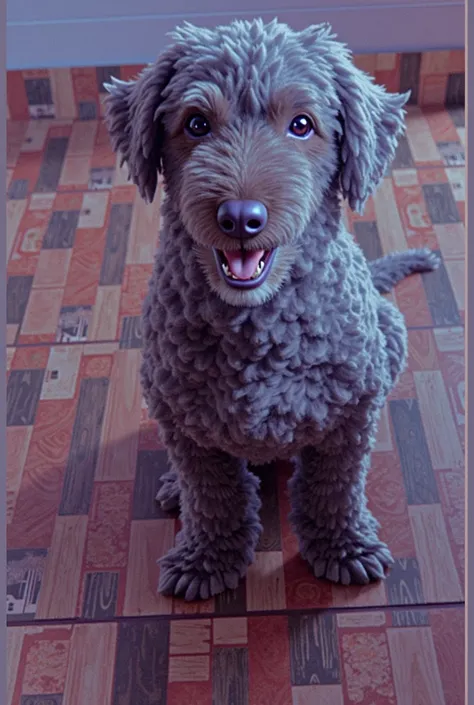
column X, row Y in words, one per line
column 252, row 126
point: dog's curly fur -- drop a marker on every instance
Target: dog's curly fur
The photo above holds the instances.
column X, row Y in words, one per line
column 301, row 366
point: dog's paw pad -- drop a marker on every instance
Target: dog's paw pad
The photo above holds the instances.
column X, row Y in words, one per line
column 369, row 566
column 168, row 494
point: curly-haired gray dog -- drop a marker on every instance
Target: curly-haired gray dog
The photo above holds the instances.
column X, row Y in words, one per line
column 265, row 335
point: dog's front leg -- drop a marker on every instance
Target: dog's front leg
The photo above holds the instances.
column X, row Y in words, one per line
column 220, row 524
column 337, row 533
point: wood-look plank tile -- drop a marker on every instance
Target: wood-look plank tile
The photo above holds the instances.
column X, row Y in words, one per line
column 403, row 157
column 452, row 240
column 230, row 631
column 11, row 333
column 40, row 490
column 18, row 188
column 270, row 539
column 131, row 334
column 448, row 629
column 388, row 502
column 449, row 339
column 94, row 210
column 440, row 430
column 390, row 228
column 422, row 145
column 384, row 441
column 52, row 164
column 61, row 581
column 18, row 292
column 42, row 313
column 184, row 669
column 435, row 559
column 441, row 204
column 190, row 637
column 410, row 64
column 75, row 172
column 18, row 441
column 149, row 541
column 357, row 620
column 415, row 669
column 113, row 264
column 84, row 270
column 92, row 653
column 23, row 393
column 100, row 595
column 232, row 602
column 144, row 229
column 109, row 526
column 106, row 313
column 62, row 372
column 61, row 230
column 45, row 657
column 119, row 443
column 269, row 681
column 452, row 490
column 367, row 669
column 230, row 676
column 141, row 671
column 151, row 466
column 411, row 299
column 81, row 465
column 266, row 582
column 443, row 302
column 63, row 93
column 367, row 236
column 83, row 137
column 35, row 136
column 404, row 588
column 317, row 694
column 15, row 213
column 422, row 354
column 373, row 595
column 456, row 270
column 197, row 693
column 15, row 637
column 314, row 650
column 416, row 463
column 52, row 269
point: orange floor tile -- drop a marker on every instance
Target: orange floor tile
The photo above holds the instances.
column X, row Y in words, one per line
column 85, row 622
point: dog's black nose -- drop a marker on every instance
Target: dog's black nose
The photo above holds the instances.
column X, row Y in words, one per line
column 242, row 219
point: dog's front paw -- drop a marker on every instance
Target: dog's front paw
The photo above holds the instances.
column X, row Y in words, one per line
column 185, row 573
column 359, row 567
column 168, row 494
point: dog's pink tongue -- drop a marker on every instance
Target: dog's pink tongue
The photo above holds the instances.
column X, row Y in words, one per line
column 243, row 265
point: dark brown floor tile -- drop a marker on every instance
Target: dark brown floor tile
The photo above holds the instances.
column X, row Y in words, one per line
column 18, row 189
column 104, row 73
column 43, row 699
column 314, row 649
column 410, row 75
column 403, row 158
column 440, row 297
column 80, row 469
column 151, row 465
column 131, row 335
column 113, row 264
column 18, row 292
column 270, row 540
column 457, row 115
column 410, row 618
column 232, row 602
column 141, row 673
column 441, row 205
column 455, row 89
column 61, row 230
column 230, row 676
column 100, row 595
column 23, row 393
column 404, row 583
column 52, row 165
column 418, row 475
column 367, row 235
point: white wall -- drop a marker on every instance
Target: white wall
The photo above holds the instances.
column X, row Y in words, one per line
column 54, row 33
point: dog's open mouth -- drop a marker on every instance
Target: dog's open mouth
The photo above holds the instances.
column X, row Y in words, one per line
column 244, row 269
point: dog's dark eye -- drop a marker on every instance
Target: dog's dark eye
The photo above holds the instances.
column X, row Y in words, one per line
column 197, row 126
column 301, row 126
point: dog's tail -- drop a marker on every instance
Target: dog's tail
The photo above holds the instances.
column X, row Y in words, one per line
column 392, row 268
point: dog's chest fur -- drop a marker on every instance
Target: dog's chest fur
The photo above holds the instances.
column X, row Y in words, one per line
column 261, row 382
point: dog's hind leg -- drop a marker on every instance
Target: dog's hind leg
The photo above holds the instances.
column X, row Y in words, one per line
column 392, row 268
column 220, row 524
column 337, row 533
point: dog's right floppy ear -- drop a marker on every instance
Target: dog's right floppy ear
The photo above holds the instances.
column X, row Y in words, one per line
column 134, row 122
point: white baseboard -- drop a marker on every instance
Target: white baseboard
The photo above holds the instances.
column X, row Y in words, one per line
column 113, row 41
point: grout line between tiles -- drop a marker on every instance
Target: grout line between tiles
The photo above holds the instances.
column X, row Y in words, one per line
column 258, row 613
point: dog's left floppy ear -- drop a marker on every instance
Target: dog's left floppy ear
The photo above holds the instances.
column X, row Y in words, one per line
column 134, row 122
column 372, row 120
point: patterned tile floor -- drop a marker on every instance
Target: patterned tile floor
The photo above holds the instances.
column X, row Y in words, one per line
column 86, row 624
